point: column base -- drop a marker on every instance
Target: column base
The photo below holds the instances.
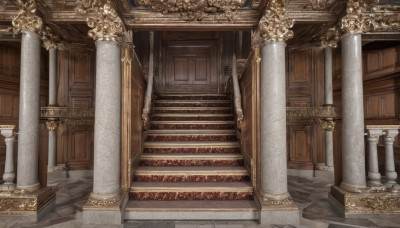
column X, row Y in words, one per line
column 110, row 212
column 27, row 206
column 277, row 212
column 365, row 204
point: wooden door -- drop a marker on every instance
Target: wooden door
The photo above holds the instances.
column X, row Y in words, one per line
column 191, row 66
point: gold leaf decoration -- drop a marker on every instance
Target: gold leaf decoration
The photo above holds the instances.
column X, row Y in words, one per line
column 26, row 19
column 275, row 25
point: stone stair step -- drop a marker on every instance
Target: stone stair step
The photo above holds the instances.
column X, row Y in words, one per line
column 224, row 159
column 192, row 97
column 191, row 135
column 191, row 191
column 191, row 174
column 191, row 116
column 191, row 210
column 193, row 103
column 192, row 124
column 191, row 147
column 192, row 110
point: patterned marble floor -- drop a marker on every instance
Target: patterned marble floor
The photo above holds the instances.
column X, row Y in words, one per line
column 309, row 194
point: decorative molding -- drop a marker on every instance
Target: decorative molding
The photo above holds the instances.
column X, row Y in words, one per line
column 19, row 202
column 328, row 124
column 26, row 19
column 368, row 202
column 50, row 40
column 93, row 202
column 70, row 116
column 8, row 127
column 103, row 20
column 52, row 125
column 195, row 10
column 310, row 115
column 353, row 21
column 274, row 24
column 330, row 38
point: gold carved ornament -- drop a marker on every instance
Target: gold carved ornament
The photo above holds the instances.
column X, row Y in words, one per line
column 26, row 19
column 103, row 20
column 328, row 124
column 52, row 125
column 360, row 18
column 330, row 38
column 50, row 40
column 275, row 25
column 191, row 10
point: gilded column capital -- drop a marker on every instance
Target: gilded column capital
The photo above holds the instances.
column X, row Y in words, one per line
column 274, row 24
column 328, row 124
column 353, row 21
column 330, row 38
column 103, row 20
column 52, row 125
column 26, row 19
column 50, row 40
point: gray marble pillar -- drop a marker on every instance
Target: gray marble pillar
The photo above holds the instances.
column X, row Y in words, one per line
column 353, row 147
column 28, row 138
column 374, row 177
column 390, row 171
column 273, row 159
column 107, row 129
column 9, row 172
column 52, row 159
column 52, row 76
column 328, row 101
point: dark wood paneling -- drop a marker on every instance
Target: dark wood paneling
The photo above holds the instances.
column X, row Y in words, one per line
column 76, row 80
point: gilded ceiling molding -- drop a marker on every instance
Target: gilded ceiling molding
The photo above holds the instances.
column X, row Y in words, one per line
column 103, row 20
column 195, row 10
column 275, row 25
column 330, row 38
column 26, row 19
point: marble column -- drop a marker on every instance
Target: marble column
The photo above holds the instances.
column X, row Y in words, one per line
column 9, row 171
column 28, row 133
column 374, row 177
column 273, row 121
column 328, row 102
column 52, row 125
column 390, row 171
column 353, row 148
column 107, row 129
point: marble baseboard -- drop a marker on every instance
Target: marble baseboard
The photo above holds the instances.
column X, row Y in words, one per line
column 194, row 111
column 195, row 118
column 193, row 97
column 198, row 137
column 190, row 195
column 193, row 150
column 190, row 178
column 177, row 125
column 237, row 162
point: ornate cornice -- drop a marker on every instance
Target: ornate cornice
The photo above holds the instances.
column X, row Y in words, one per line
column 274, row 24
column 330, row 38
column 103, row 20
column 195, row 10
column 26, row 19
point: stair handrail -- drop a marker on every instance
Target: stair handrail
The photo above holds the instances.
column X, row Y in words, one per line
column 236, row 91
column 149, row 89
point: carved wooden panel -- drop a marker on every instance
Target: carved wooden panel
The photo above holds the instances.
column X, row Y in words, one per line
column 191, row 66
column 76, row 82
column 300, row 147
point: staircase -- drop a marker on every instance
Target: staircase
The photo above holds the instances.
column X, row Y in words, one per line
column 191, row 163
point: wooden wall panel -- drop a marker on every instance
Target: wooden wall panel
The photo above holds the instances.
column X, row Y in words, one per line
column 76, row 80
